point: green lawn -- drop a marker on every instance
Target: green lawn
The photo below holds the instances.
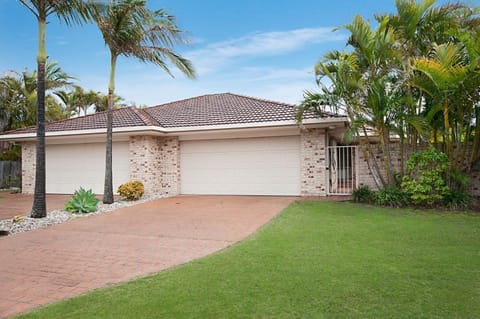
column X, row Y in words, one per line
column 316, row 260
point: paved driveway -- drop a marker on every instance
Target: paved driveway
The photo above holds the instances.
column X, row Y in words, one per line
column 21, row 204
column 64, row 260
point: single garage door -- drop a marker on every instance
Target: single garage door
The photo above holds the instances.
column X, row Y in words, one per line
column 70, row 166
column 253, row 166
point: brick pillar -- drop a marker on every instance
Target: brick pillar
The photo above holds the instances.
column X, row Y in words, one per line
column 313, row 156
column 144, row 162
column 170, row 165
column 155, row 162
column 29, row 152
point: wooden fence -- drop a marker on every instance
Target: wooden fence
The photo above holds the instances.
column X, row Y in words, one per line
column 10, row 174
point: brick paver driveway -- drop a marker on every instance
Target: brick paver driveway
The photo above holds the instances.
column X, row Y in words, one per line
column 45, row 265
column 21, row 204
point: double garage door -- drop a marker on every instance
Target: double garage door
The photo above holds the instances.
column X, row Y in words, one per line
column 253, row 166
column 73, row 165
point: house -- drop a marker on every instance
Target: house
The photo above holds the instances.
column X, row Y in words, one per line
column 212, row 144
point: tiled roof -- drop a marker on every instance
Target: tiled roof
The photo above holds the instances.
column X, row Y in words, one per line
column 206, row 110
column 124, row 117
column 221, row 109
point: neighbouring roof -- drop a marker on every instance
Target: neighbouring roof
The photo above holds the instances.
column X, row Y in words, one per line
column 205, row 110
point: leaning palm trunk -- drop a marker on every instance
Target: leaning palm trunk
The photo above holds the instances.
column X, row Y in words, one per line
column 371, row 161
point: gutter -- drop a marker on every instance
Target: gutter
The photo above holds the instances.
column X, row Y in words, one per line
column 157, row 130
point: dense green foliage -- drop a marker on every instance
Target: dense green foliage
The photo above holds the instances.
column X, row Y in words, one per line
column 315, row 260
column 425, row 180
column 132, row 190
column 413, row 77
column 392, row 196
column 18, row 97
column 64, row 99
column 363, row 194
column 457, row 199
column 12, row 153
column 82, row 201
column 424, row 185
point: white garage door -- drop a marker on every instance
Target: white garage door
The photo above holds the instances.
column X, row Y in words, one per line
column 254, row 166
column 73, row 165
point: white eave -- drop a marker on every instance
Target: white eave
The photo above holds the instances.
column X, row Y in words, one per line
column 157, row 130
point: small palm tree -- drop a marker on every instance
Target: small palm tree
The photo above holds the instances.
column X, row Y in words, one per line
column 101, row 104
column 18, row 96
column 72, row 11
column 78, row 100
column 130, row 29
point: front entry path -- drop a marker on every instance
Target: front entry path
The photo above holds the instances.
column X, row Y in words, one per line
column 45, row 265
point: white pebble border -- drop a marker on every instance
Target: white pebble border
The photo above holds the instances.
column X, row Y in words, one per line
column 61, row 216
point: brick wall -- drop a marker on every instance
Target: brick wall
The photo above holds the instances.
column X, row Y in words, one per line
column 475, row 180
column 145, row 162
column 29, row 152
column 365, row 176
column 170, row 165
column 155, row 162
column 313, row 157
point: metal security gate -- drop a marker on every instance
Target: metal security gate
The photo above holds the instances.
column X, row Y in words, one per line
column 342, row 174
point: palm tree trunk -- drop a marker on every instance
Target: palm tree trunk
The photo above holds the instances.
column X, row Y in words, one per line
column 448, row 139
column 371, row 161
column 475, row 143
column 108, row 186
column 39, row 208
column 385, row 141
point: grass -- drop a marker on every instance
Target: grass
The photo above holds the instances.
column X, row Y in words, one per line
column 315, row 260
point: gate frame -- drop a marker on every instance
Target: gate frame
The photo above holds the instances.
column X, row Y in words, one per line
column 354, row 158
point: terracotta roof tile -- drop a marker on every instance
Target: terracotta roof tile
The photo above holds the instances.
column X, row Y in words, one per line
column 124, row 117
column 221, row 109
column 205, row 110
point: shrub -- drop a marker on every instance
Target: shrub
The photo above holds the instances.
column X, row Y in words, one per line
column 13, row 153
column 363, row 194
column 391, row 196
column 425, row 182
column 457, row 199
column 10, row 181
column 132, row 190
column 82, row 201
column 459, row 180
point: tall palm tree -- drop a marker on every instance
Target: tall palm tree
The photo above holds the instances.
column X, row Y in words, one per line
column 73, row 11
column 130, row 29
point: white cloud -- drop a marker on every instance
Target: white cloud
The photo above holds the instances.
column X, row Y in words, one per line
column 261, row 74
column 216, row 55
column 152, row 88
column 228, row 66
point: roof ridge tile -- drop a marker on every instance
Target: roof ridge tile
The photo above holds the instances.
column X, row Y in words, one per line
column 146, row 117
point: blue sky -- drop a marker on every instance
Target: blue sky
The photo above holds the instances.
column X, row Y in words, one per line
column 261, row 48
